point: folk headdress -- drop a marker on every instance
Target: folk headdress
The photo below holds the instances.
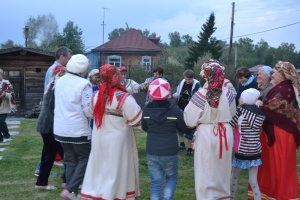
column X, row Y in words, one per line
column 290, row 73
column 122, row 69
column 213, row 72
column 111, row 82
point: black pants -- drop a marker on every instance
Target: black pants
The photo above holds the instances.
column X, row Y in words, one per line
column 3, row 127
column 50, row 148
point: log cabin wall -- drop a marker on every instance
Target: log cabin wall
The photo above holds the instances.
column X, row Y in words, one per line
column 26, row 70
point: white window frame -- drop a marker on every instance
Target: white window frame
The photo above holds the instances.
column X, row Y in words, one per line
column 114, row 60
column 146, row 64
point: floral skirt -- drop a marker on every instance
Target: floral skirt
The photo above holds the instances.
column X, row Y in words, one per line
column 245, row 164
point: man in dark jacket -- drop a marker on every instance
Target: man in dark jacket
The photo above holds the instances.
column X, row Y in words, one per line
column 161, row 121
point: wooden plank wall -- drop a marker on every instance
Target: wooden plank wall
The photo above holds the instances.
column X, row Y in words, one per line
column 33, row 68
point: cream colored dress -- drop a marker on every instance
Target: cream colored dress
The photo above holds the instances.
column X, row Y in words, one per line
column 213, row 144
column 112, row 170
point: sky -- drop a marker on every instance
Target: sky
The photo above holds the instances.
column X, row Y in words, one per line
column 274, row 21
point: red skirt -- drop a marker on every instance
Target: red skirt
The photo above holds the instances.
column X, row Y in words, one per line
column 277, row 176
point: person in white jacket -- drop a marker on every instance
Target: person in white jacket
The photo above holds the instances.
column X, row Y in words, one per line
column 7, row 105
column 185, row 90
column 71, row 121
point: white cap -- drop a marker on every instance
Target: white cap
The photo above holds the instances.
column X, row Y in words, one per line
column 250, row 96
column 78, row 64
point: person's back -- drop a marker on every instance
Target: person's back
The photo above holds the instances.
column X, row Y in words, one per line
column 161, row 120
column 247, row 123
column 71, row 122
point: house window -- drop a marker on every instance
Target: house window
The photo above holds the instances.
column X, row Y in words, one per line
column 115, row 60
column 13, row 73
column 146, row 62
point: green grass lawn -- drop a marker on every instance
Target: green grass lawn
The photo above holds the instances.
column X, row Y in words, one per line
column 19, row 160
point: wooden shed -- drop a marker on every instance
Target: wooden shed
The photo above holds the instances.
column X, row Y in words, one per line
column 25, row 68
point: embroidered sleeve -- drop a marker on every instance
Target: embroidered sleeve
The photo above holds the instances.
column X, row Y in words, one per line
column 132, row 112
column 255, row 121
column 135, row 87
column 199, row 100
column 86, row 100
column 229, row 85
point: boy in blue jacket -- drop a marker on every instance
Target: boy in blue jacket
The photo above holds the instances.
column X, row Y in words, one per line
column 161, row 120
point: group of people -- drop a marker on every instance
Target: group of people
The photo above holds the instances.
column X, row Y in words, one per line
column 269, row 131
column 92, row 122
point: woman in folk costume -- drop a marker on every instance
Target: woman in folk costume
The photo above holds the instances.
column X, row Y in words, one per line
column 277, row 176
column 226, row 83
column 112, row 171
column 130, row 85
column 210, row 110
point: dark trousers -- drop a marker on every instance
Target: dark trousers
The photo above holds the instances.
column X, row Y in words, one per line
column 3, row 127
column 76, row 159
column 50, row 148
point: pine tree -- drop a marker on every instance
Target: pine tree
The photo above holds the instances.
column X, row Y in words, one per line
column 206, row 43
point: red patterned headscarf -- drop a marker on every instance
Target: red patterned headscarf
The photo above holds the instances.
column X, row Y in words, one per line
column 290, row 73
column 111, row 82
column 214, row 73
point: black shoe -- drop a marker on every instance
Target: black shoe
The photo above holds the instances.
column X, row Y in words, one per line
column 189, row 153
column 181, row 148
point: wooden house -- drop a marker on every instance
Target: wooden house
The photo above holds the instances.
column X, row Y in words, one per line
column 25, row 68
column 130, row 49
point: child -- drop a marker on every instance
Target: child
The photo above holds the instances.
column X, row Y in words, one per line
column 185, row 90
column 161, row 120
column 247, row 123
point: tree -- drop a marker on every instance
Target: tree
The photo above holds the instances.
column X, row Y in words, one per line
column 175, row 40
column 42, row 31
column 120, row 31
column 286, row 52
column 8, row 44
column 116, row 33
column 246, row 53
column 71, row 38
column 206, row 43
column 187, row 40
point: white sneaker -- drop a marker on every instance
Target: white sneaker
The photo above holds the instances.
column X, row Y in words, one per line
column 7, row 140
column 58, row 163
column 46, row 187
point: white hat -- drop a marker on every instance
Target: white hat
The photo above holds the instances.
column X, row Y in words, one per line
column 250, row 96
column 159, row 89
column 78, row 64
column 93, row 72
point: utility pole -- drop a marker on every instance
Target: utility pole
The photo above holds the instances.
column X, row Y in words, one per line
column 103, row 24
column 231, row 34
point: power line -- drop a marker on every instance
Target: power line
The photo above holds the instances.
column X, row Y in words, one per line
column 261, row 8
column 263, row 31
column 287, row 12
column 241, row 23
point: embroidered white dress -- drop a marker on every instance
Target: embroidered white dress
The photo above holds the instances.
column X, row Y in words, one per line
column 213, row 144
column 112, row 170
